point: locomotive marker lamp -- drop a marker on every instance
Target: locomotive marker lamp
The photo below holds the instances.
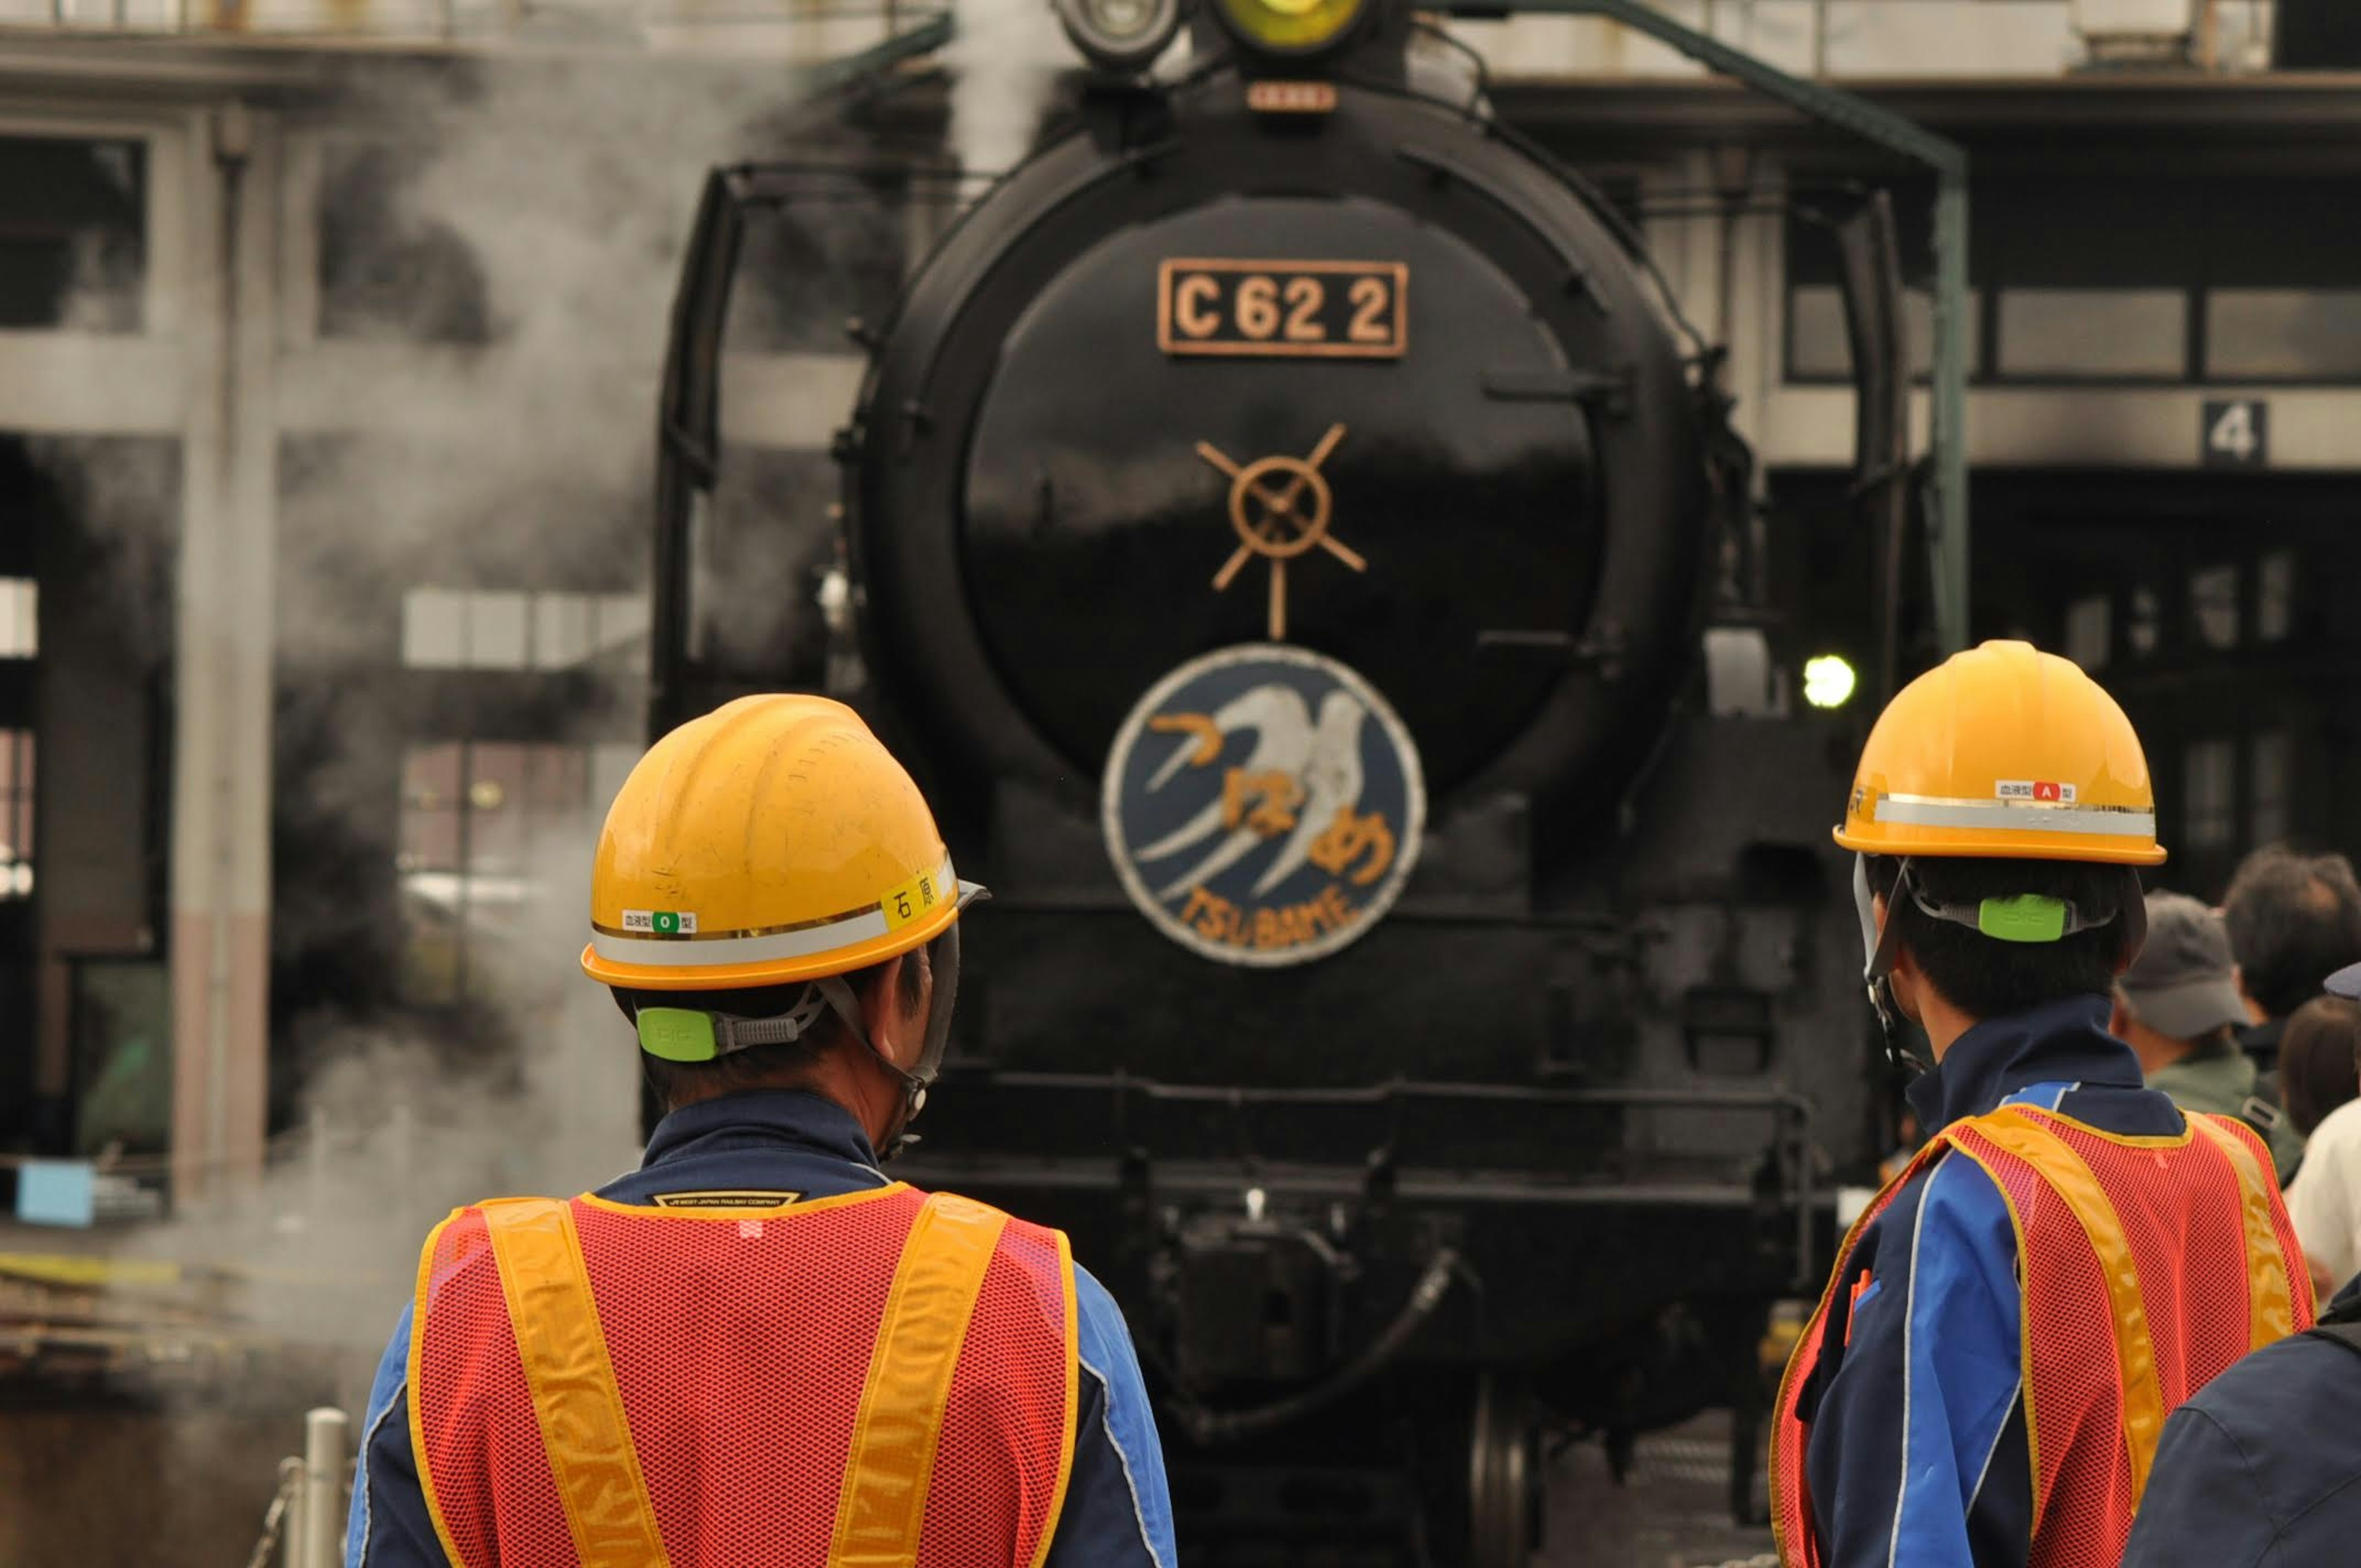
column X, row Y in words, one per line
column 1120, row 35
column 1280, row 524
column 1290, row 28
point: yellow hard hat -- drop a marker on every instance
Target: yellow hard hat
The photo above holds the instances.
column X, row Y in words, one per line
column 2003, row 751
column 772, row 840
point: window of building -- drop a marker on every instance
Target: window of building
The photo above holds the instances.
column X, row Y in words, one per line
column 2214, row 606
column 2209, row 794
column 73, row 253
column 2268, row 770
column 20, row 619
column 2275, row 597
column 1818, row 349
column 480, row 629
column 2144, row 626
column 2283, row 335
column 15, row 814
column 2090, row 631
column 489, row 830
column 2094, row 333
column 386, row 269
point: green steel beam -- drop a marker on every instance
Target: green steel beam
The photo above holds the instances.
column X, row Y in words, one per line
column 1948, row 502
column 847, row 70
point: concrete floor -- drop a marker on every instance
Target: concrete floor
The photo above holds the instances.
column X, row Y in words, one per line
column 1674, row 1512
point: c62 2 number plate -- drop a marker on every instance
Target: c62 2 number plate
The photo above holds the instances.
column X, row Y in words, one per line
column 1314, row 310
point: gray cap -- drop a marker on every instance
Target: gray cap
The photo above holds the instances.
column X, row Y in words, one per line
column 2185, row 983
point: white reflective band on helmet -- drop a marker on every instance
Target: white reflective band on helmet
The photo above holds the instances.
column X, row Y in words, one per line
column 701, row 948
column 2016, row 815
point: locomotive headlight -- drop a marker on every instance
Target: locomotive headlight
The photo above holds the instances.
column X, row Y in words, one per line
column 1120, row 35
column 1290, row 26
column 1828, row 681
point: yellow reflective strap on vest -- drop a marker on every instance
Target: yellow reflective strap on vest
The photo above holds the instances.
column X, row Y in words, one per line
column 882, row 1506
column 2270, row 1312
column 572, row 1383
column 2072, row 1180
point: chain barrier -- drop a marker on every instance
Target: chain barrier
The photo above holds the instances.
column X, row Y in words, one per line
column 291, row 1479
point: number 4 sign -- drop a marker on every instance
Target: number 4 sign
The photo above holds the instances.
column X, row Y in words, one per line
column 2235, row 433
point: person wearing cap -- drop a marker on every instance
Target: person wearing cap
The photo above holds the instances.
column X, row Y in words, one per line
column 759, row 1347
column 2262, row 1467
column 2069, row 1256
column 2179, row 1008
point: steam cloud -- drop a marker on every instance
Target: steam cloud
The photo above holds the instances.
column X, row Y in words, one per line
column 1005, row 62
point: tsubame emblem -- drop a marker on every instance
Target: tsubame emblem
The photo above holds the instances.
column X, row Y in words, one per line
column 1263, row 805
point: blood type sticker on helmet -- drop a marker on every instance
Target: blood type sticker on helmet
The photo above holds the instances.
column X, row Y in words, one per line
column 1263, row 805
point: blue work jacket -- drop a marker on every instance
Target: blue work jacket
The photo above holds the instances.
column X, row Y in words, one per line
column 2261, row 1468
column 1118, row 1512
column 1917, row 1452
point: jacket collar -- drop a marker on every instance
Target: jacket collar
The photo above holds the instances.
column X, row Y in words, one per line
column 787, row 1118
column 2058, row 1042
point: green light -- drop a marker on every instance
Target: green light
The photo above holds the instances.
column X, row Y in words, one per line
column 1828, row 681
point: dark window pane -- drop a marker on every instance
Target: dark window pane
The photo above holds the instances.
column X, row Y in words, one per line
column 2275, row 597
column 2090, row 631
column 2268, row 775
column 2211, row 783
column 73, row 245
column 2214, row 606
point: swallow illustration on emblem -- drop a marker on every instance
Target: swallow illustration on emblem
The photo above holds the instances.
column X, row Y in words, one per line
column 1263, row 805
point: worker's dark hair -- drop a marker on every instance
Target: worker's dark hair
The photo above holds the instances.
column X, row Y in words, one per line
column 783, row 1065
column 2293, row 920
column 1986, row 978
column 2317, row 1060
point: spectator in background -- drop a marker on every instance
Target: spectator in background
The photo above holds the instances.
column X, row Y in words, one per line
column 2293, row 920
column 2262, row 1466
column 2179, row 1007
column 2317, row 1071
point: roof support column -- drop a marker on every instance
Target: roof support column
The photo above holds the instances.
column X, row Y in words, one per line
column 222, row 774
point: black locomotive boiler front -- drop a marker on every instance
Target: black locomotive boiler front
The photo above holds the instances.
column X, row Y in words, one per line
column 1377, row 389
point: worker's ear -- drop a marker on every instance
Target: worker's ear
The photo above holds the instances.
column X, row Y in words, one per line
column 897, row 1029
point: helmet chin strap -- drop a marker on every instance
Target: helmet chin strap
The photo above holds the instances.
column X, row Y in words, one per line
column 847, row 1007
column 1877, row 966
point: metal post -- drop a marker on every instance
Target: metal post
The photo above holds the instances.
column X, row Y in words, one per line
column 291, row 1538
column 1948, row 502
column 321, row 1540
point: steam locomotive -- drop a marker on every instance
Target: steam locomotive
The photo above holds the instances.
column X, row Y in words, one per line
column 1280, row 522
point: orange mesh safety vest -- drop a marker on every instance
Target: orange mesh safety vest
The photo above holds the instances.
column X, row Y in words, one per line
column 2174, row 1254
column 880, row 1378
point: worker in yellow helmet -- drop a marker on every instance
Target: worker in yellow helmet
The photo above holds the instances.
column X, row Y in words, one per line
column 758, row 1348
column 2069, row 1256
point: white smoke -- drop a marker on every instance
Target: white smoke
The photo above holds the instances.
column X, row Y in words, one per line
column 1005, row 59
column 564, row 189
